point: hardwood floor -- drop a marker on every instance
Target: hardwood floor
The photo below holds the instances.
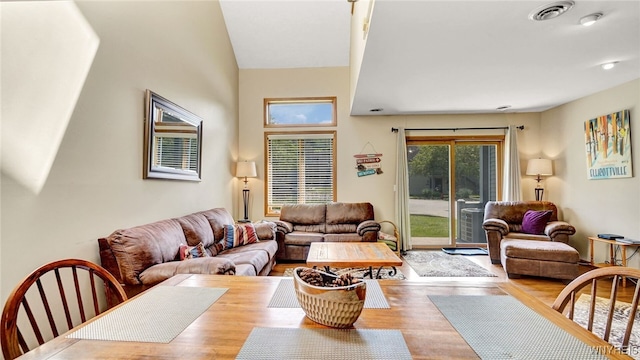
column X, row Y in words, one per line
column 546, row 290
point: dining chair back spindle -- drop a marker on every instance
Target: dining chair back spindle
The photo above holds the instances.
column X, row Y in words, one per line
column 603, row 280
column 43, row 300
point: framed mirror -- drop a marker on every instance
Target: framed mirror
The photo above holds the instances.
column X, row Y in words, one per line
column 172, row 140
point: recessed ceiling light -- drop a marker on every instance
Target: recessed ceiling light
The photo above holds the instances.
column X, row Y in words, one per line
column 551, row 11
column 590, row 19
column 609, row 65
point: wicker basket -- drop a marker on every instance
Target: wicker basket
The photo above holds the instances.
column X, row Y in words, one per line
column 337, row 307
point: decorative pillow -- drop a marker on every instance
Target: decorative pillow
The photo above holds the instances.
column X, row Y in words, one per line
column 239, row 234
column 534, row 222
column 385, row 236
column 192, row 252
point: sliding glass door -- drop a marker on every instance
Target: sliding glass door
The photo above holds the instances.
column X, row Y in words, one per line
column 450, row 181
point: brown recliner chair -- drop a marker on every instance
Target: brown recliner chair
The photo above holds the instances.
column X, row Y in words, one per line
column 503, row 220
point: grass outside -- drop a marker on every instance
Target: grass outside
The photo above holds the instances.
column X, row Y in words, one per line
column 429, row 226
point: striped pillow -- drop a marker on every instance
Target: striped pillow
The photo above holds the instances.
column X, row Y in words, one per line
column 238, row 235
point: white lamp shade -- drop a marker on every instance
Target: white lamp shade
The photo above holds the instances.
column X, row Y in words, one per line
column 539, row 167
column 246, row 169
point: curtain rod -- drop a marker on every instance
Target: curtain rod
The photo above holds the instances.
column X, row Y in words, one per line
column 521, row 127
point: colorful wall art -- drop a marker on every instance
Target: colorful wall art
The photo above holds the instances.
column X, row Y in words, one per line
column 608, row 146
column 368, row 163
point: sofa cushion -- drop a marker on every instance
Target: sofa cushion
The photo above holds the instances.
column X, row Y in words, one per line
column 525, row 236
column 245, row 270
column 315, row 228
column 217, row 218
column 540, row 250
column 239, row 234
column 205, row 265
column 341, row 228
column 346, row 237
column 349, row 213
column 304, row 214
column 533, row 222
column 302, row 238
column 257, row 258
column 141, row 247
column 196, row 229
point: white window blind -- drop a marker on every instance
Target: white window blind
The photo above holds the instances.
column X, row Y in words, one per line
column 300, row 169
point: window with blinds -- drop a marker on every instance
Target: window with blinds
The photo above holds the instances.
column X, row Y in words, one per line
column 300, row 169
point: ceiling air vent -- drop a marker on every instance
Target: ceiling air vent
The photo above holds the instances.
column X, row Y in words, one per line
column 551, row 11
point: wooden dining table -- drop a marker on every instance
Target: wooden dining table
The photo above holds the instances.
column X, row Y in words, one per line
column 222, row 329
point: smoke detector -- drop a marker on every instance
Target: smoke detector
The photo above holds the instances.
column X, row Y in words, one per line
column 551, row 11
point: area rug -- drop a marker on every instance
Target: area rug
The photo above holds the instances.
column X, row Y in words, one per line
column 437, row 263
column 620, row 316
column 359, row 272
column 465, row 251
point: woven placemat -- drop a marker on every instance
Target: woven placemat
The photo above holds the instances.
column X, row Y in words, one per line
column 285, row 296
column 324, row 344
column 501, row 327
column 158, row 315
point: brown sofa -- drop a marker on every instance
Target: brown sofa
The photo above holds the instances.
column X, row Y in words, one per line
column 300, row 225
column 142, row 256
column 503, row 220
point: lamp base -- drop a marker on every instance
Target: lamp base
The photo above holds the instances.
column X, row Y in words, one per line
column 539, row 193
column 245, row 200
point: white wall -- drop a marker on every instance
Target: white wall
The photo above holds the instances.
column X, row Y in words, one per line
column 95, row 185
column 592, row 206
column 354, row 132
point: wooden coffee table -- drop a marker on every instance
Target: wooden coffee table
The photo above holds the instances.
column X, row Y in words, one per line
column 353, row 254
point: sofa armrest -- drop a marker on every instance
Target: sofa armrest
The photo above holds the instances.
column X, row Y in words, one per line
column 283, row 227
column 265, row 230
column 366, row 226
column 496, row 225
column 495, row 229
column 557, row 228
column 108, row 260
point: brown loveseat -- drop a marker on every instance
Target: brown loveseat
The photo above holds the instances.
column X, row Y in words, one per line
column 300, row 225
column 142, row 256
column 503, row 220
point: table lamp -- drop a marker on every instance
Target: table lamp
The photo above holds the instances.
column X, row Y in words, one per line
column 246, row 169
column 539, row 167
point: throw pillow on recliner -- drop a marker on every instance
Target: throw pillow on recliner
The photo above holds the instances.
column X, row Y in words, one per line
column 534, row 222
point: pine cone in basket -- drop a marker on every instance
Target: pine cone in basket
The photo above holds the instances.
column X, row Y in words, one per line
column 344, row 280
column 312, row 277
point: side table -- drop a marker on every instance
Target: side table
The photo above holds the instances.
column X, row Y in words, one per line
column 612, row 258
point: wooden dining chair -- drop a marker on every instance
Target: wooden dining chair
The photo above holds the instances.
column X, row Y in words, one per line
column 607, row 281
column 71, row 276
column 393, row 241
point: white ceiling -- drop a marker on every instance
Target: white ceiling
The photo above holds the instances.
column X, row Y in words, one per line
column 427, row 56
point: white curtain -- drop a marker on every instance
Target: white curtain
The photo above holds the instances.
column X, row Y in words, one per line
column 402, row 192
column 511, row 181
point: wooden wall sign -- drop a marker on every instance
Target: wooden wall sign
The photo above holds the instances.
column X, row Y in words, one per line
column 368, row 163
